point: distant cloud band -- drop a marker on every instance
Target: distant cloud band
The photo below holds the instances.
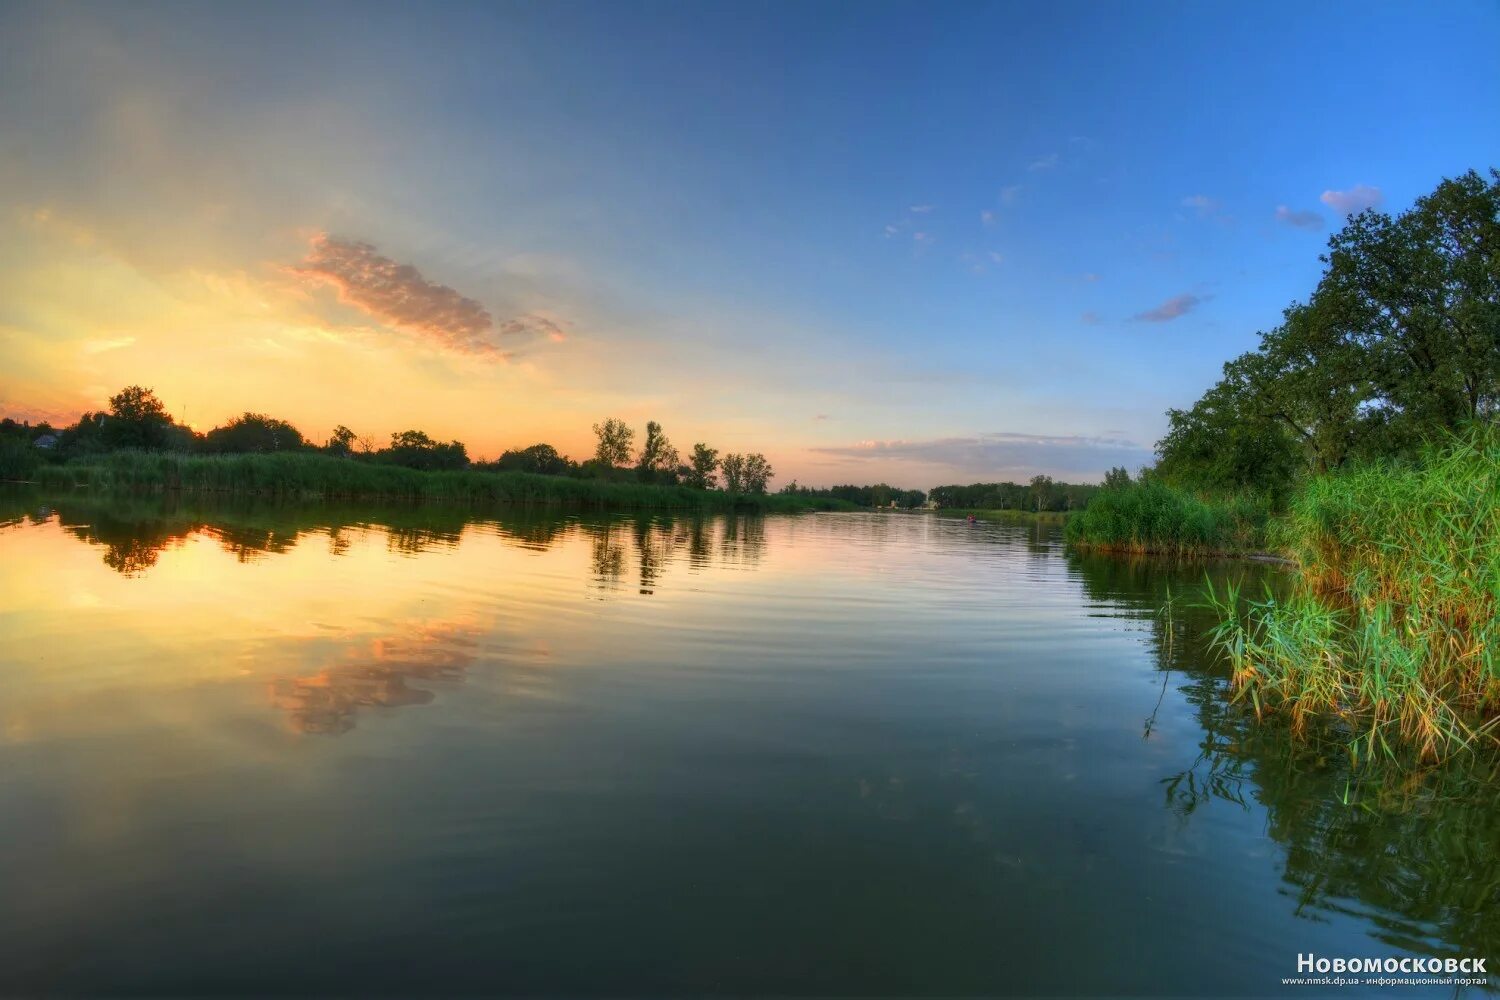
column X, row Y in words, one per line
column 1002, row 453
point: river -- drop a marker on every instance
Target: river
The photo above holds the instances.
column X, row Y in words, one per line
column 251, row 748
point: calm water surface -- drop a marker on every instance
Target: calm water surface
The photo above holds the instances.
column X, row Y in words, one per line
column 256, row 749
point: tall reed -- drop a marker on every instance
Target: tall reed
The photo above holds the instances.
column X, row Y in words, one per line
column 1152, row 517
column 1394, row 629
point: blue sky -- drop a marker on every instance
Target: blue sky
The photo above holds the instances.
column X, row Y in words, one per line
column 920, row 243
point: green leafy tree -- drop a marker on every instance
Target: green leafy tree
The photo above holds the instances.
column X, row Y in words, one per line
column 1223, row 443
column 1041, row 492
column 1423, row 302
column 341, row 441
column 658, row 459
column 542, row 459
column 1116, row 478
column 615, row 438
column 416, row 450
column 137, row 419
column 733, row 467
column 703, row 467
column 253, row 432
column 757, row 473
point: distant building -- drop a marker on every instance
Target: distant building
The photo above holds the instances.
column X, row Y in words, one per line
column 46, row 442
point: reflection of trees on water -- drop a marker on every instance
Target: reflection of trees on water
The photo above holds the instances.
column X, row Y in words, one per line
column 411, row 541
column 608, row 561
column 1416, row 854
column 375, row 675
column 743, row 542
column 656, row 542
column 135, row 530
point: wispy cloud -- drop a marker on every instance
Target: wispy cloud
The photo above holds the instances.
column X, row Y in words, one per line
column 1010, row 193
column 1044, row 162
column 100, row 346
column 1202, row 204
column 1299, row 219
column 987, row 218
column 1090, row 277
column 398, row 295
column 996, row 257
column 1175, row 307
column 922, row 209
column 1001, row 454
column 1090, row 318
column 1355, row 200
column 534, row 325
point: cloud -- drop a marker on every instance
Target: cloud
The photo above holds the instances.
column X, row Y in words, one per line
column 997, row 257
column 820, row 416
column 100, row 346
column 1301, row 220
column 923, row 239
column 1353, row 201
column 1001, row 453
column 533, row 325
column 891, row 230
column 987, row 218
column 1044, row 162
column 1176, row 306
column 1009, row 193
column 1202, row 204
column 1090, row 319
column 398, row 295
column 922, row 209
column 1091, row 277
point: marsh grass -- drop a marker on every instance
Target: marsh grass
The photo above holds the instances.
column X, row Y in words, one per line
column 304, row 475
column 1392, row 632
column 1151, row 517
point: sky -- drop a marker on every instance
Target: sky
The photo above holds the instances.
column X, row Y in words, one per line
column 911, row 243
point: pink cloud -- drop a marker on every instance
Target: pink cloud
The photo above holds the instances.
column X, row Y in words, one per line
column 398, row 294
column 1353, row 201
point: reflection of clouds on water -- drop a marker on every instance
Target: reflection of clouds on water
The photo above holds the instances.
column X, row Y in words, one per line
column 376, row 675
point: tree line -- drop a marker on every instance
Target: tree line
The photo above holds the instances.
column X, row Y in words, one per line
column 879, row 495
column 138, row 420
column 1042, row 493
column 1397, row 345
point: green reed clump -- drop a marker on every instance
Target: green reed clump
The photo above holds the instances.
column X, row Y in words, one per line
column 18, row 459
column 300, row 474
column 1152, row 517
column 1394, row 627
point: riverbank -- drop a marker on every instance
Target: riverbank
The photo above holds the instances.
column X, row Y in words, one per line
column 315, row 476
column 1390, row 638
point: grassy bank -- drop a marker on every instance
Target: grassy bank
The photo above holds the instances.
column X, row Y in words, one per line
column 1152, row 517
column 308, row 475
column 1393, row 634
